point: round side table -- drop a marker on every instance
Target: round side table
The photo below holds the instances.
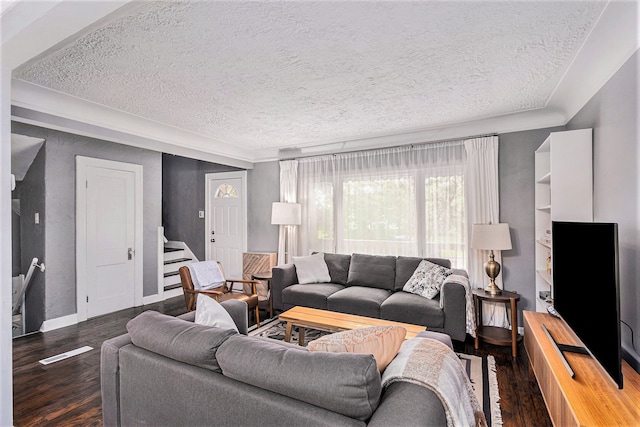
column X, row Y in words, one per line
column 494, row 334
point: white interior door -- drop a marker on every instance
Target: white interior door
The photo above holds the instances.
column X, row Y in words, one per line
column 109, row 267
column 226, row 220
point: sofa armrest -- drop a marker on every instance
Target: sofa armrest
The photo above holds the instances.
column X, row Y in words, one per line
column 454, row 304
column 110, row 378
column 282, row 276
column 237, row 310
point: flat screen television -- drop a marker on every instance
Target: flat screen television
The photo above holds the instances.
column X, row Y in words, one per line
column 586, row 288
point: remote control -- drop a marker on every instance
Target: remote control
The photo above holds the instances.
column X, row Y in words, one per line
column 552, row 311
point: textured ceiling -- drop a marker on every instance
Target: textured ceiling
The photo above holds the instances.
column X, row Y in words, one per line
column 292, row 74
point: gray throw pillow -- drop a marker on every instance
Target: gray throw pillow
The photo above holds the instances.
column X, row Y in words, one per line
column 427, row 280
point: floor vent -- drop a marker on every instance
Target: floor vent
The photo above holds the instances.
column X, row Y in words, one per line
column 66, row 355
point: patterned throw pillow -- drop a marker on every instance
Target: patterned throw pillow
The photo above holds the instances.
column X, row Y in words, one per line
column 383, row 342
column 427, row 280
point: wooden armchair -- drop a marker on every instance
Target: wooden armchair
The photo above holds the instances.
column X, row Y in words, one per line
column 225, row 292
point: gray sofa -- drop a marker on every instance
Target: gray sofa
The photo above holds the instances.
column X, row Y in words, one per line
column 169, row 371
column 371, row 285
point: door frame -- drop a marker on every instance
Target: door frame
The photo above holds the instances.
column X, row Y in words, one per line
column 81, row 228
column 208, row 198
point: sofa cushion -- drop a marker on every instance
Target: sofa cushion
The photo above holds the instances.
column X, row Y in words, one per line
column 309, row 295
column 405, row 266
column 410, row 308
column 358, row 300
column 338, row 265
column 383, row 342
column 209, row 312
column 427, row 280
column 178, row 339
column 374, row 271
column 311, row 269
column 346, row 383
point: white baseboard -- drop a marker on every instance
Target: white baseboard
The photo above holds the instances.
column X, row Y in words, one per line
column 163, row 296
column 59, row 322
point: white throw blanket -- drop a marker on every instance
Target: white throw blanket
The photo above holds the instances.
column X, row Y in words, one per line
column 206, row 275
column 432, row 364
column 470, row 310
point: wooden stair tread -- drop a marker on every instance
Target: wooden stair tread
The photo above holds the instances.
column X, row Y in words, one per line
column 172, row 249
column 171, row 273
column 170, row 287
column 173, row 261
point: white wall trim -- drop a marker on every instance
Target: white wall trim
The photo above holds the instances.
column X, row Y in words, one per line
column 160, row 257
column 59, row 322
column 81, row 229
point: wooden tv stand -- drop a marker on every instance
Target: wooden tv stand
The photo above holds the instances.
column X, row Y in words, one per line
column 592, row 398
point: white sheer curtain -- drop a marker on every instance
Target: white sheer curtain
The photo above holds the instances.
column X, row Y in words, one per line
column 483, row 205
column 397, row 201
column 288, row 235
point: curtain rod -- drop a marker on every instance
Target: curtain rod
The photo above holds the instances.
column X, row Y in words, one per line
column 394, row 146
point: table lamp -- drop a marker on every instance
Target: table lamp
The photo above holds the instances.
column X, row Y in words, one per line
column 490, row 237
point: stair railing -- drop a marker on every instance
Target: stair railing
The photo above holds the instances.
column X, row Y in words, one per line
column 25, row 284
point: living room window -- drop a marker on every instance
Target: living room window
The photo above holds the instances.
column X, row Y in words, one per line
column 371, row 202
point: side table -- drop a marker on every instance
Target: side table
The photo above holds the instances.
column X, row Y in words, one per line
column 266, row 277
column 494, row 334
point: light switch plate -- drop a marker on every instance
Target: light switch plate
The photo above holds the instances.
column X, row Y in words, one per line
column 200, row 214
column 37, row 218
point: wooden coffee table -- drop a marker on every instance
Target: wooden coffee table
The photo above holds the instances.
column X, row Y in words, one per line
column 304, row 317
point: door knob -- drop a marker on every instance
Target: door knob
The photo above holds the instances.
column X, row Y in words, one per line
column 130, row 253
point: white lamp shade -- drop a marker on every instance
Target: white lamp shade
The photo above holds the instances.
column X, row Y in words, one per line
column 286, row 213
column 490, row 236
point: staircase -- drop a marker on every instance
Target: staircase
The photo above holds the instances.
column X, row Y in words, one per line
column 174, row 258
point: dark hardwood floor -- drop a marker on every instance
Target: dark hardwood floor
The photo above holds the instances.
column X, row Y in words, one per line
column 67, row 393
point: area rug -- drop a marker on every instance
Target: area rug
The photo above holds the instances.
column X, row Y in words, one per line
column 481, row 370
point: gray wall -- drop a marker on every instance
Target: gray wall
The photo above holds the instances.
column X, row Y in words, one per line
column 613, row 114
column 16, row 264
column 61, row 150
column 516, row 181
column 183, row 195
column 32, row 239
column 263, row 186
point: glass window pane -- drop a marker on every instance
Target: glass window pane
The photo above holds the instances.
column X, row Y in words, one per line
column 226, row 190
column 378, row 215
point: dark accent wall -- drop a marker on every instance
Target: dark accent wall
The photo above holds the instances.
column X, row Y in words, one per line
column 614, row 116
column 60, row 203
column 32, row 239
column 183, row 195
column 263, row 186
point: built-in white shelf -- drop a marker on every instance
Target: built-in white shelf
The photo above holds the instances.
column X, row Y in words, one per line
column 568, row 157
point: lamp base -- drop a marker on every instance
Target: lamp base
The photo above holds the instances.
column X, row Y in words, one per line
column 492, row 268
column 493, row 289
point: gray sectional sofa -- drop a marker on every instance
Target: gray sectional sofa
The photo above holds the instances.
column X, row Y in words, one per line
column 168, row 371
column 371, row 285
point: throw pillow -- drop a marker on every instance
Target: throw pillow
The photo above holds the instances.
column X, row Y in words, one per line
column 383, row 342
column 312, row 269
column 209, row 312
column 427, row 279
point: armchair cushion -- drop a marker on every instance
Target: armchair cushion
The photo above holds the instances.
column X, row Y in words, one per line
column 209, row 312
column 178, row 339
